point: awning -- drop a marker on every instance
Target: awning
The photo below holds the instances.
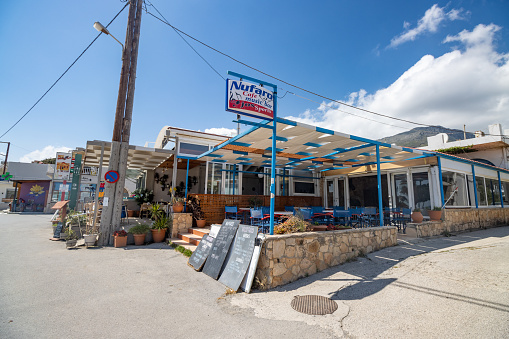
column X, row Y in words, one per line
column 304, row 147
column 142, row 158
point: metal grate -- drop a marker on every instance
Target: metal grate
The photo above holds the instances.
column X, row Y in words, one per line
column 314, row 305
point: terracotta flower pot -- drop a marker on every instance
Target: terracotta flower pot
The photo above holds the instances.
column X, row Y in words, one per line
column 139, row 239
column 177, row 207
column 417, row 217
column 435, row 215
column 158, row 235
column 130, row 213
column 119, row 241
column 201, row 223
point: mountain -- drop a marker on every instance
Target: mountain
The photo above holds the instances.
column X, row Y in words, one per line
column 417, row 137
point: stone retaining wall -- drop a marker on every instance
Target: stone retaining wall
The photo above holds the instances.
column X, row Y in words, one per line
column 286, row 258
column 461, row 220
column 181, row 222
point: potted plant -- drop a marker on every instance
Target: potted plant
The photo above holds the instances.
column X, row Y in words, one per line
column 120, row 238
column 417, row 216
column 177, row 204
column 159, row 228
column 435, row 214
column 90, row 235
column 194, row 205
column 139, row 232
column 142, row 195
column 70, row 238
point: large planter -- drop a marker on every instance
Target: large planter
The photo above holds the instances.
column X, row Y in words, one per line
column 435, row 215
column 90, row 239
column 119, row 241
column 201, row 223
column 139, row 239
column 130, row 213
column 417, row 217
column 70, row 243
column 178, row 207
column 158, row 235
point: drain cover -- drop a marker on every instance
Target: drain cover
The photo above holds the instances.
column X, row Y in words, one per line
column 314, row 304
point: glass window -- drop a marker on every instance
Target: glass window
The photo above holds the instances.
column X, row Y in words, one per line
column 422, row 199
column 284, row 182
column 214, row 178
column 303, row 182
column 57, row 193
column 329, row 195
column 471, row 192
column 401, row 190
column 492, row 192
column 481, row 191
column 304, row 187
column 229, row 180
column 451, row 181
column 505, row 192
column 341, row 192
column 193, row 149
column 9, row 193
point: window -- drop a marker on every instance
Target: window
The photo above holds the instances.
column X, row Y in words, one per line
column 505, row 192
column 492, row 191
column 228, row 185
column 304, row 187
column 214, row 178
column 481, row 191
column 192, row 149
column 303, row 182
column 451, row 181
column 9, row 193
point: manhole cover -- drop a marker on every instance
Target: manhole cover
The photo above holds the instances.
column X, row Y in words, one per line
column 314, row 304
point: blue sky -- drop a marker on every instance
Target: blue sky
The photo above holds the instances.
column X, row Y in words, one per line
column 434, row 62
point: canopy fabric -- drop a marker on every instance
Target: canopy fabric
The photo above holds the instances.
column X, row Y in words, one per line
column 305, row 147
column 142, row 158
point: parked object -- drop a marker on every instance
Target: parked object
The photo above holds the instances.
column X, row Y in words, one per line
column 139, row 233
column 120, row 238
column 417, row 216
column 90, row 239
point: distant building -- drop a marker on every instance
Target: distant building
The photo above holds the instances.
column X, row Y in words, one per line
column 491, row 149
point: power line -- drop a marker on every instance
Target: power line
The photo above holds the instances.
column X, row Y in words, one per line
column 180, row 35
column 300, row 88
column 68, row 68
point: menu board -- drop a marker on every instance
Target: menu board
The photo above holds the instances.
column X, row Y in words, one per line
column 201, row 252
column 220, row 248
column 241, row 254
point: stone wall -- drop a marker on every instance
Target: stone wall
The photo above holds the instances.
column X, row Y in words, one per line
column 181, row 222
column 286, row 258
column 461, row 220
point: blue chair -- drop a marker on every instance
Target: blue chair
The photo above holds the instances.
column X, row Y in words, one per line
column 370, row 217
column 230, row 212
column 265, row 211
column 258, row 219
column 123, row 214
column 402, row 219
column 340, row 208
column 289, row 209
column 305, row 213
column 342, row 217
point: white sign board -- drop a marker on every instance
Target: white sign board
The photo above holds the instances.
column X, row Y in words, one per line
column 249, row 99
column 63, row 166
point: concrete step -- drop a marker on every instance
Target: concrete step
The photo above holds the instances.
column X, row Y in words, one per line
column 183, row 243
column 190, row 238
column 199, row 231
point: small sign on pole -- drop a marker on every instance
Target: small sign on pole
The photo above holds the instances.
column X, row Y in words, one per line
column 249, row 99
column 111, row 177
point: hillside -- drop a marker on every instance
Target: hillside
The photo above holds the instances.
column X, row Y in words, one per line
column 417, row 136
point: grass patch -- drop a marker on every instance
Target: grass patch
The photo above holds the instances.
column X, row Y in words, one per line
column 187, row 253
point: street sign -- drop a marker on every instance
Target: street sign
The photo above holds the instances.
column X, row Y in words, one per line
column 249, row 99
column 111, row 177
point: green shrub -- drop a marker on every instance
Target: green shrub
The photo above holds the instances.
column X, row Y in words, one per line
column 139, row 229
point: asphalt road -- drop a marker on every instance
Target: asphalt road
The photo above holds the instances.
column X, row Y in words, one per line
column 456, row 287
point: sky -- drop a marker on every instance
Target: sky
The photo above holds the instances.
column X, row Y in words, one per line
column 430, row 62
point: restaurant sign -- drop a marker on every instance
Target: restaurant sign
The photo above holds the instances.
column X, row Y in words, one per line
column 249, row 99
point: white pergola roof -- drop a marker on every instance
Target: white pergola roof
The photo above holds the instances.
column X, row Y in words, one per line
column 142, row 158
column 305, row 147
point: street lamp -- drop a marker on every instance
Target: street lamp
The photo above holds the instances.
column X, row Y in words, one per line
column 99, row 27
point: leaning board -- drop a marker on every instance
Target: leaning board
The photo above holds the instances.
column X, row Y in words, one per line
column 201, row 252
column 220, row 248
column 249, row 277
column 241, row 253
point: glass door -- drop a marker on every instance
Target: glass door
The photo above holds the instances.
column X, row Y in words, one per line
column 422, row 195
column 329, row 193
column 340, row 196
column 400, row 190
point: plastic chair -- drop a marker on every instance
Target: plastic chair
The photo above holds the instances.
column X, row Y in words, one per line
column 305, row 213
column 370, row 217
column 257, row 219
column 342, row 217
column 289, row 209
column 402, row 219
column 230, row 212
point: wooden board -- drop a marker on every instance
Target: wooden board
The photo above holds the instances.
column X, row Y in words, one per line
column 249, row 277
column 59, row 204
column 220, row 248
column 241, row 252
column 201, row 252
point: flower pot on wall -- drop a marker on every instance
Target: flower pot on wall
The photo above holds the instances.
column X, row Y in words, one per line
column 178, row 207
column 158, row 234
column 417, row 217
column 435, row 215
column 201, row 223
column 130, row 213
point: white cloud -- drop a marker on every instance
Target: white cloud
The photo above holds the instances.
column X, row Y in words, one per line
column 430, row 22
column 229, row 132
column 469, row 85
column 47, row 152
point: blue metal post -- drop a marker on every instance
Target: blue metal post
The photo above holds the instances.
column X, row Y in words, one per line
column 475, row 187
column 185, row 195
column 441, row 181
column 500, row 190
column 273, row 165
column 379, row 180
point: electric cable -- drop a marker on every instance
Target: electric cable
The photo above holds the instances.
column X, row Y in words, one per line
column 68, row 68
column 300, row 88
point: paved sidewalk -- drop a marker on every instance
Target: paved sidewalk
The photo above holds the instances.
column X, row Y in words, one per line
column 439, row 288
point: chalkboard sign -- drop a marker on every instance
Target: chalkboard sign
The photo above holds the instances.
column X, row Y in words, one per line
column 251, row 271
column 220, row 248
column 201, row 252
column 241, row 253
column 58, row 230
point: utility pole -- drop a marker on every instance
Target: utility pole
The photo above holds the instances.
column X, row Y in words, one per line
column 113, row 193
column 6, row 154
